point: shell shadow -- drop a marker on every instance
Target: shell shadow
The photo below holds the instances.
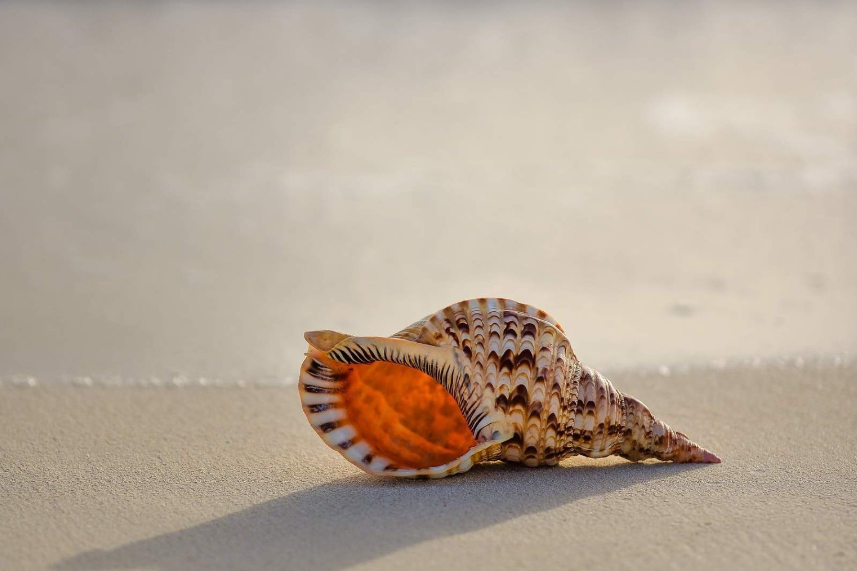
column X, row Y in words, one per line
column 358, row 519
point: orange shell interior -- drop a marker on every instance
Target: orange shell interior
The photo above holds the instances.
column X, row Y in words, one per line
column 405, row 415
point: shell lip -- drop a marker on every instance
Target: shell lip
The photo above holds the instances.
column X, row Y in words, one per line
column 331, row 395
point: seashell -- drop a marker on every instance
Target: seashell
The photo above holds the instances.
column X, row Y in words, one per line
column 483, row 379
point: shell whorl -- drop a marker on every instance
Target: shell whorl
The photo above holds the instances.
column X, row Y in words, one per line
column 519, row 386
column 522, row 366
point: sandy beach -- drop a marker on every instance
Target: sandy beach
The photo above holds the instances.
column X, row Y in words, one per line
column 187, row 187
column 224, row 479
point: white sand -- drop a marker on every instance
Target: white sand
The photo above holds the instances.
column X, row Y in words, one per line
column 224, row 479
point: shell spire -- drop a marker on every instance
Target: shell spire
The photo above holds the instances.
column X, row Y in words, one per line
column 482, row 379
column 607, row 422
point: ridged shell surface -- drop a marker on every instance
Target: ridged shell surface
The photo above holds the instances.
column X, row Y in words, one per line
column 521, row 361
column 481, row 379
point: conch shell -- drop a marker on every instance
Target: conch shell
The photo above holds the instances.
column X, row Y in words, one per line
column 483, row 379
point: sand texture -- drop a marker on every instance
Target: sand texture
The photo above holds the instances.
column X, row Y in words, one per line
column 224, row 479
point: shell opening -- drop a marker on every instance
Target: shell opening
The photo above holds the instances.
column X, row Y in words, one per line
column 401, row 413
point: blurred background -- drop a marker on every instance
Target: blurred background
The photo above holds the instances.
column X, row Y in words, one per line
column 186, row 187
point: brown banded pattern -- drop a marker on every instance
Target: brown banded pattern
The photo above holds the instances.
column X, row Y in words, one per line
column 509, row 369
